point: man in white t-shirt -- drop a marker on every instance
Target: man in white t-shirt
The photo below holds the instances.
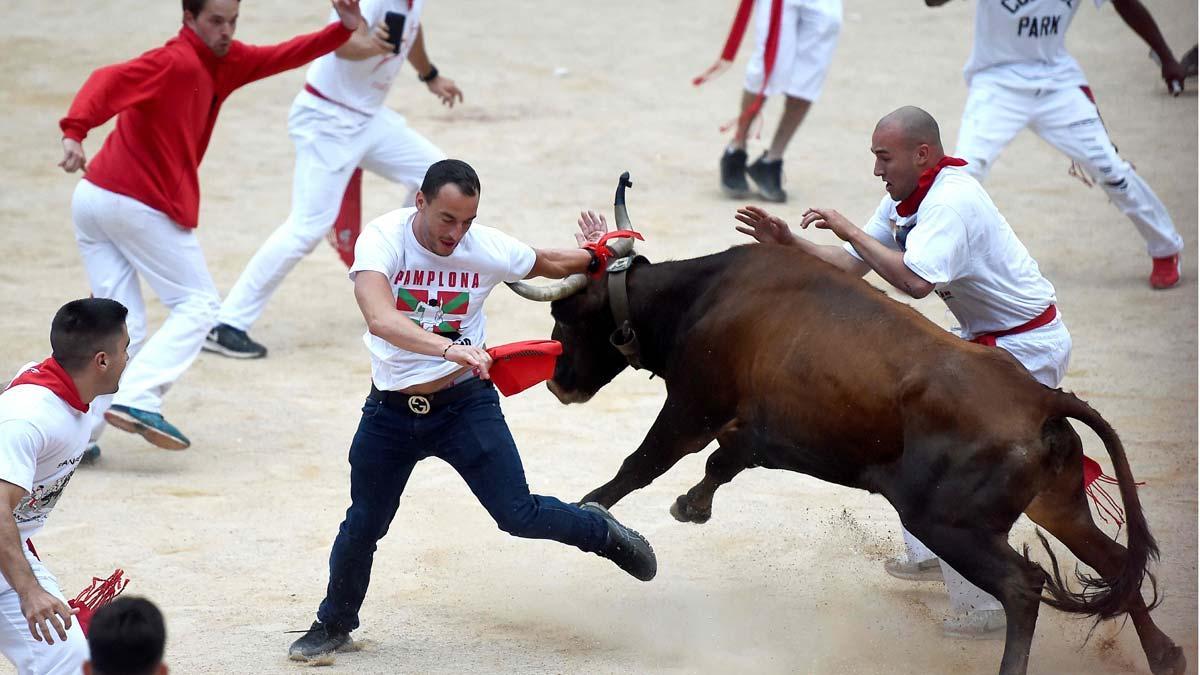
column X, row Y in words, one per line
column 938, row 231
column 338, row 123
column 1020, row 75
column 44, row 428
column 421, row 276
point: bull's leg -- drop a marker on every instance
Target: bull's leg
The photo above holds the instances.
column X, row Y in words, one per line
column 1063, row 511
column 680, row 430
column 986, row 560
column 727, row 461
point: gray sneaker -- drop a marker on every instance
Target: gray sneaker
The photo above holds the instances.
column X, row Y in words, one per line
column 925, row 570
column 232, row 342
column 319, row 641
column 979, row 624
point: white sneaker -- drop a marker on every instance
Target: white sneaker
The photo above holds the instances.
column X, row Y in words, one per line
column 980, row 624
column 925, row 570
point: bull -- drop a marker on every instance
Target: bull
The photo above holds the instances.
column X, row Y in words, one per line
column 790, row 363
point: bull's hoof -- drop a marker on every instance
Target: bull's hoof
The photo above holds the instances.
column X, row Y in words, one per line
column 1170, row 662
column 682, row 511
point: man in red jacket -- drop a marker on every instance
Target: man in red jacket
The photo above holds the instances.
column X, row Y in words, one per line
column 136, row 208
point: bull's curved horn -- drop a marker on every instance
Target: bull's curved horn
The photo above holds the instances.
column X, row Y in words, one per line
column 622, row 246
column 550, row 292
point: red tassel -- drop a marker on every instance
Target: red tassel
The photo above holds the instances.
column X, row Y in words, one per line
column 98, row 594
column 1093, row 480
column 736, row 31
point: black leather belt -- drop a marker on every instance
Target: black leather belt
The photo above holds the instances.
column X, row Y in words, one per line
column 423, row 404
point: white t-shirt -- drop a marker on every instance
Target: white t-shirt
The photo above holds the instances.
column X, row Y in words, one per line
column 1020, row 44
column 442, row 294
column 42, row 439
column 958, row 241
column 363, row 85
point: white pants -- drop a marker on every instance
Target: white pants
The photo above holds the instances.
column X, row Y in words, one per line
column 1045, row 353
column 28, row 655
column 808, row 35
column 122, row 240
column 1068, row 120
column 328, row 150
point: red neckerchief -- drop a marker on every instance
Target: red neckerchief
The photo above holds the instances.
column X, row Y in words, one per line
column 911, row 203
column 50, row 375
column 771, row 48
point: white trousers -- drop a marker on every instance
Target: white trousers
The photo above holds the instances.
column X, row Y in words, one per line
column 808, row 35
column 1068, row 120
column 123, row 241
column 327, row 152
column 1045, row 353
column 28, row 655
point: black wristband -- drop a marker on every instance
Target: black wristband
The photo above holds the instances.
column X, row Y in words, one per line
column 594, row 263
column 430, row 76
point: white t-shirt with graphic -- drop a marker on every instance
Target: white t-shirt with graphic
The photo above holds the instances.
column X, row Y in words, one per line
column 42, row 439
column 959, row 242
column 1020, row 44
column 363, row 85
column 442, row 294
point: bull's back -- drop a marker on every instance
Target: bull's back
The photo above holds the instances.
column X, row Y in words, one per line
column 819, row 355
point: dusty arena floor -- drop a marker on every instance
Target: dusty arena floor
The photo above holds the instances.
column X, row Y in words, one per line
column 232, row 536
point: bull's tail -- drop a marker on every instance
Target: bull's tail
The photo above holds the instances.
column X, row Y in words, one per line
column 1106, row 597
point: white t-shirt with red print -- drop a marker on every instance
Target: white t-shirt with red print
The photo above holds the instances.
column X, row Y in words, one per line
column 42, row 439
column 442, row 294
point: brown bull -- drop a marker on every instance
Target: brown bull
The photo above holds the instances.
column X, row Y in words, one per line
column 790, row 363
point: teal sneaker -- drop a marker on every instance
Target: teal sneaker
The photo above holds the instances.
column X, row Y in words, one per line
column 151, row 426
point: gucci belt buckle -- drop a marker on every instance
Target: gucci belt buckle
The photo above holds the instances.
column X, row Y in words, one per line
column 419, row 405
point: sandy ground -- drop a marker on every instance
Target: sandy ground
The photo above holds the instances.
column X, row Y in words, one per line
column 231, row 537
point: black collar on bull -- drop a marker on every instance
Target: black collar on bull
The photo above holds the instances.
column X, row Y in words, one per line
column 624, row 338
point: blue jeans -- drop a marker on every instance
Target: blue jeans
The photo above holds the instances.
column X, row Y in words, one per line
column 470, row 435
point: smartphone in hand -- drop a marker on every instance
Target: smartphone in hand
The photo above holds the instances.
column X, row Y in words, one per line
column 395, row 26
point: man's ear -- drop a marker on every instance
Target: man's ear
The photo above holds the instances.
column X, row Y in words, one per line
column 101, row 359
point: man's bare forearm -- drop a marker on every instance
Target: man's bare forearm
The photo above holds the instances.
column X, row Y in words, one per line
column 13, row 563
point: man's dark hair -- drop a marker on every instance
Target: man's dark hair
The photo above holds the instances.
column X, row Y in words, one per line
column 83, row 327
column 450, row 171
column 126, row 637
column 196, row 6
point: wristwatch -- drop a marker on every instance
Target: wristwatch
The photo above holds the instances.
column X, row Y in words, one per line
column 430, row 76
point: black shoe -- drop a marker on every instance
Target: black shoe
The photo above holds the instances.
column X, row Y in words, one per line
column 319, row 641
column 768, row 176
column 625, row 547
column 90, row 456
column 232, row 342
column 733, row 174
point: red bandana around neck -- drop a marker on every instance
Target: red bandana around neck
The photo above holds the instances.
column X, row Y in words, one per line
column 50, row 374
column 909, row 204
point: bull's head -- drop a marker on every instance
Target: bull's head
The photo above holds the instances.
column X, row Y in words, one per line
column 583, row 321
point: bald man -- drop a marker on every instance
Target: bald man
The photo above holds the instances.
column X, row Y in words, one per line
column 938, row 231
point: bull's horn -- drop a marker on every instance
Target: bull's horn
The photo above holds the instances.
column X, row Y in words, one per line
column 622, row 246
column 550, row 292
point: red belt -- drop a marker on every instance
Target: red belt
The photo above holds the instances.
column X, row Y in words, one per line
column 989, row 339
column 313, row 90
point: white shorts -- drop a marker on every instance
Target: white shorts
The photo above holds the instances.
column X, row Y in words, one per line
column 808, row 34
column 1045, row 352
column 30, row 656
